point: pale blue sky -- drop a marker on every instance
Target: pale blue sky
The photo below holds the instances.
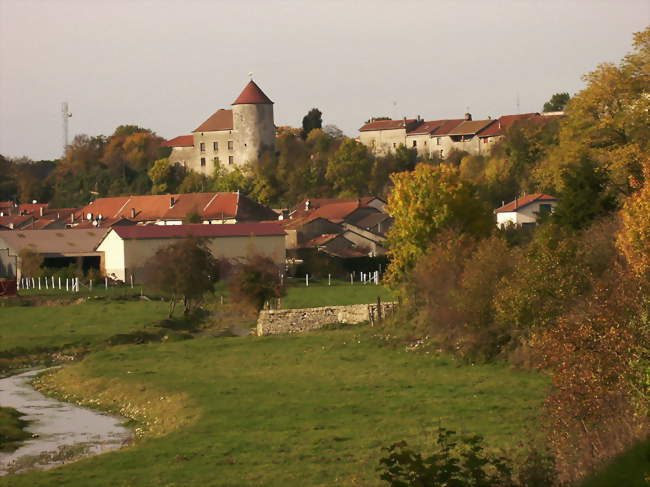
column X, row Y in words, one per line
column 167, row 65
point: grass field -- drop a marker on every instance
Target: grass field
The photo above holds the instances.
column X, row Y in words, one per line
column 76, row 325
column 313, row 409
column 319, row 293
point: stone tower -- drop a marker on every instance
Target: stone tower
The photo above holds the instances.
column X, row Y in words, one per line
column 253, row 124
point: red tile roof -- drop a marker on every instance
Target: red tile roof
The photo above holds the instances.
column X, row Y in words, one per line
column 198, row 230
column 252, row 94
column 504, row 122
column 210, row 206
column 320, row 240
column 219, row 120
column 180, row 141
column 447, row 127
column 471, row 127
column 389, row 124
column 519, row 203
column 299, row 211
column 426, row 127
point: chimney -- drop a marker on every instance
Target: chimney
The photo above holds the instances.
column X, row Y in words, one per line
column 40, row 210
column 307, row 205
column 404, row 122
column 171, row 201
column 468, row 117
column 132, row 213
column 71, row 217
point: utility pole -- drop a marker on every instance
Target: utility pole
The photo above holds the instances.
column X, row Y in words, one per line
column 66, row 115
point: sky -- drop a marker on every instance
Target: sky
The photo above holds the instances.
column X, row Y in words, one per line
column 167, row 65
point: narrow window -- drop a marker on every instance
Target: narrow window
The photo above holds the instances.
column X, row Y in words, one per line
column 231, row 160
column 215, row 146
column 415, row 143
column 230, row 145
column 441, row 156
column 202, row 161
column 202, row 147
column 437, row 140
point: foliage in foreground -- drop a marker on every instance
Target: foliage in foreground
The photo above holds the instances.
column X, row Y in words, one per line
column 462, row 461
column 256, row 281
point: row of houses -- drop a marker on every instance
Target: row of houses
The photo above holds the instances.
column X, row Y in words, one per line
column 438, row 138
column 117, row 236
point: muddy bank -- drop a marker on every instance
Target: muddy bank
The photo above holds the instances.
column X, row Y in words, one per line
column 60, row 431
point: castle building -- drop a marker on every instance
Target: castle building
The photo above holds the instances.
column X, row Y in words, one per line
column 229, row 138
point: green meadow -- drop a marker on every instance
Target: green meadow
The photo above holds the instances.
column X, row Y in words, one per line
column 311, row 409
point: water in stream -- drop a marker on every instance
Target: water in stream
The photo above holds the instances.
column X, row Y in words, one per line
column 61, row 431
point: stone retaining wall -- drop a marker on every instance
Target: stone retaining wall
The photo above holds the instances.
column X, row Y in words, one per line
column 276, row 321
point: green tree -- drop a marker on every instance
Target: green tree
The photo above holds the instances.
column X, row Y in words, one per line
column 256, row 281
column 557, row 102
column 425, row 201
column 585, row 195
column 230, row 181
column 313, row 120
column 349, row 167
column 31, row 262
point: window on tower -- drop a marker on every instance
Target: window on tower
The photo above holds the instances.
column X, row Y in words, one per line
column 215, row 146
column 231, row 145
column 231, row 160
column 202, row 147
column 202, row 161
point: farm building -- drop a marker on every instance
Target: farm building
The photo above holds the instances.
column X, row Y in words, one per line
column 526, row 210
column 127, row 249
column 58, row 248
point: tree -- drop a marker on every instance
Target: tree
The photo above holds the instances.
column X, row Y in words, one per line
column 313, row 120
column 634, row 238
column 608, row 120
column 256, row 281
column 186, row 268
column 557, row 102
column 165, row 176
column 31, row 262
column 349, row 167
column 425, row 201
column 333, row 131
column 585, row 195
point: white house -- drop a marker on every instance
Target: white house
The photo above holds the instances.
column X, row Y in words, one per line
column 526, row 210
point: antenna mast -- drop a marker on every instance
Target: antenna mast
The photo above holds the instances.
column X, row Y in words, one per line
column 66, row 115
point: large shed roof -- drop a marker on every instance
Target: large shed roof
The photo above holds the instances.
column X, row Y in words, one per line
column 68, row 242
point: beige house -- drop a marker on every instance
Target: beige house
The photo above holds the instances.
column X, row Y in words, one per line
column 439, row 137
column 229, row 138
column 127, row 249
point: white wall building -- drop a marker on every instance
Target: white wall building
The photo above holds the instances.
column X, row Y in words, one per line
column 525, row 211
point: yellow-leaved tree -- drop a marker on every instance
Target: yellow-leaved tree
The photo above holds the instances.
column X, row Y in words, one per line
column 424, row 202
column 634, row 238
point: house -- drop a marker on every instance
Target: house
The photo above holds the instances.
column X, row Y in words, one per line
column 229, row 138
column 127, row 249
column 437, row 138
column 59, row 248
column 174, row 209
column 525, row 211
column 336, row 234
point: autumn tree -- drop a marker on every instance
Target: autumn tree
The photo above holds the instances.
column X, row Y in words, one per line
column 313, row 120
column 185, row 269
column 634, row 237
column 165, row 176
column 425, row 201
column 557, row 102
column 608, row 121
column 255, row 281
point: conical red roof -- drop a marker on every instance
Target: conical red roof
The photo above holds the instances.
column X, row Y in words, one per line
column 252, row 94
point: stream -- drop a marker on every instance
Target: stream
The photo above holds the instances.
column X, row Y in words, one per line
column 61, row 432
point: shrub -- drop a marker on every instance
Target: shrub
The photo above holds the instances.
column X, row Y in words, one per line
column 255, row 281
column 455, row 462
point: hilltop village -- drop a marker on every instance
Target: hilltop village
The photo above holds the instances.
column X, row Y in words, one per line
column 344, row 234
